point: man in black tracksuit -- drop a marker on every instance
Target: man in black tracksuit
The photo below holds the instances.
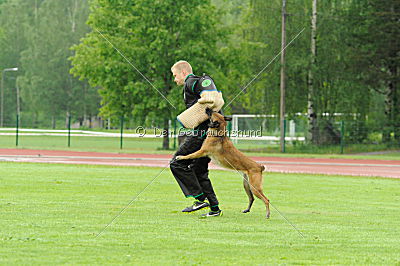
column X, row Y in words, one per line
column 192, row 175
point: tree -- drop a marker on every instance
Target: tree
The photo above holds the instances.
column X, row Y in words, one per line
column 47, row 87
column 152, row 35
column 12, row 42
column 312, row 116
column 335, row 86
column 377, row 58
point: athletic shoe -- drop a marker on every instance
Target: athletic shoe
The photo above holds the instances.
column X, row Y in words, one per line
column 197, row 205
column 211, row 214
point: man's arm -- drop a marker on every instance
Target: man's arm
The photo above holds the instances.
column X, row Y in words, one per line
column 206, row 83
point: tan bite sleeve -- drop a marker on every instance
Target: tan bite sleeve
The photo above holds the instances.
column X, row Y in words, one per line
column 196, row 114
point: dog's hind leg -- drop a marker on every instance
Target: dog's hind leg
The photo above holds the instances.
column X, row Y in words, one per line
column 248, row 192
column 256, row 187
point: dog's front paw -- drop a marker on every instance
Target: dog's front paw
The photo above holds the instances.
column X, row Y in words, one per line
column 179, row 158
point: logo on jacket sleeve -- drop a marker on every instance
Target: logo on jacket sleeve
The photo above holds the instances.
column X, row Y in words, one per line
column 206, row 83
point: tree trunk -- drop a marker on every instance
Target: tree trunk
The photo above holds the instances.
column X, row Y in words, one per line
column 312, row 114
column 392, row 108
column 67, row 119
column 84, row 106
column 165, row 145
column 396, row 104
column 35, row 119
column 388, row 113
column 53, row 122
column 72, row 15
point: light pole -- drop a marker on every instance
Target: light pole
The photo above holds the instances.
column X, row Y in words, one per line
column 283, row 77
column 18, row 104
column 2, row 93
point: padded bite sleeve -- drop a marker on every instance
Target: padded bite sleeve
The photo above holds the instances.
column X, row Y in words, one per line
column 196, row 114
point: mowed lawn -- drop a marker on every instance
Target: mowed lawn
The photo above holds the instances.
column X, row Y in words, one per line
column 52, row 214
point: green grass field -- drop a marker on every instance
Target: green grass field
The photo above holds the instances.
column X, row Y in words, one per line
column 153, row 145
column 52, row 213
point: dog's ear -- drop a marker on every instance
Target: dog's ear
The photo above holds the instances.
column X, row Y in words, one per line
column 227, row 118
column 209, row 111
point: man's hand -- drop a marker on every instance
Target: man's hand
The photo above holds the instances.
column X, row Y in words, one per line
column 179, row 157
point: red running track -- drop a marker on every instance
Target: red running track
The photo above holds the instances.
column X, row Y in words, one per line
column 378, row 168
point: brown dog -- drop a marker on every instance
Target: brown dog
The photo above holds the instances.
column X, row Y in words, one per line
column 222, row 151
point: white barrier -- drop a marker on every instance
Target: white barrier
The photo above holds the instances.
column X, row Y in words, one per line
column 85, row 133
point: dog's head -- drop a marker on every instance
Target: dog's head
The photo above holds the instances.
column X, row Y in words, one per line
column 217, row 120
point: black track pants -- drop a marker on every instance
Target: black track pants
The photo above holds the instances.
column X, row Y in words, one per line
column 192, row 175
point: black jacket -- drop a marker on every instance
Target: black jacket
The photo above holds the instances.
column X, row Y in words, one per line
column 191, row 94
column 193, row 88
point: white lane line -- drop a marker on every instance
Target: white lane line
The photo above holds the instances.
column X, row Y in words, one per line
column 329, row 164
column 85, row 157
column 167, row 159
column 214, row 167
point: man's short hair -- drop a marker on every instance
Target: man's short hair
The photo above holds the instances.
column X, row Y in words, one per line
column 182, row 65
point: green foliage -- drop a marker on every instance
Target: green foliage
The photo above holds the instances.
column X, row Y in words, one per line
column 12, row 42
column 355, row 74
column 353, row 60
column 37, row 38
column 47, row 84
column 260, row 39
column 152, row 35
column 376, row 58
